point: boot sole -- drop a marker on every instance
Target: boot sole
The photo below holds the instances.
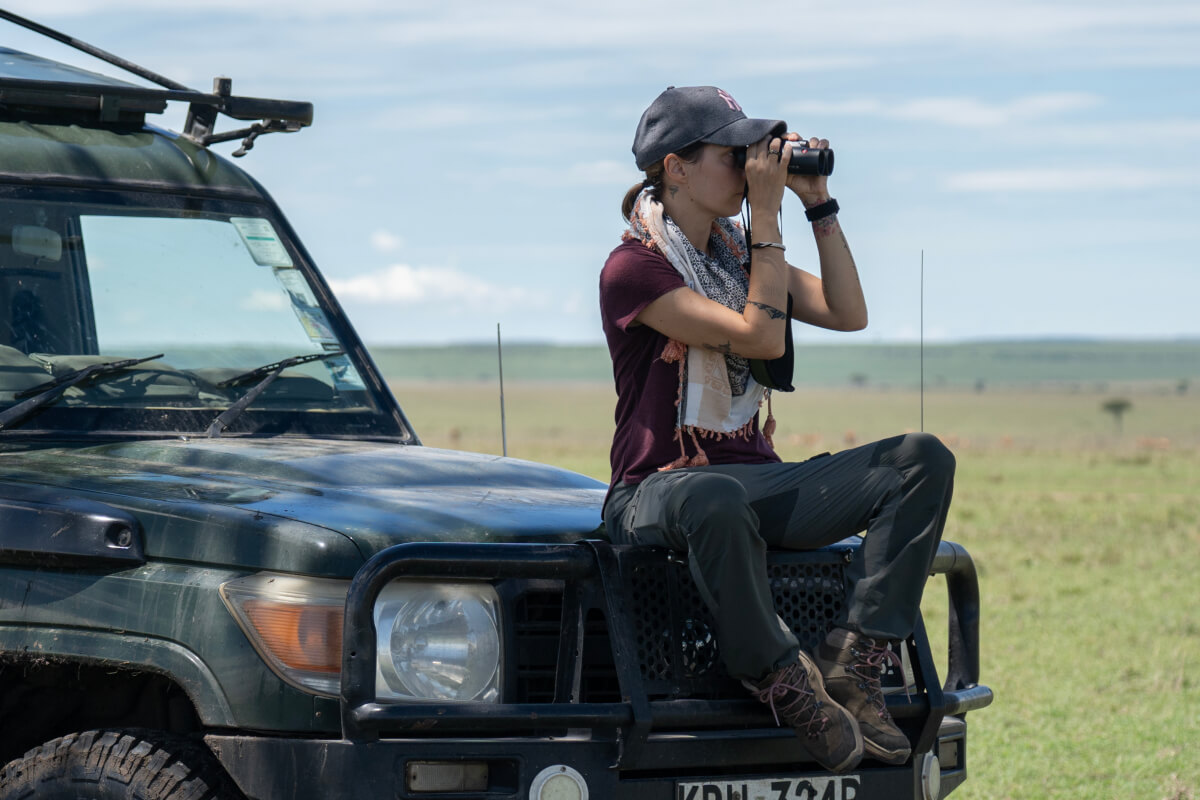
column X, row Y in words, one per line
column 882, row 754
column 817, row 683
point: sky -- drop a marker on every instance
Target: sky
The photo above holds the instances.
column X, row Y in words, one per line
column 467, row 160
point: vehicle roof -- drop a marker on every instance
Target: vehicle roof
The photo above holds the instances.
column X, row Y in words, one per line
column 71, row 154
column 15, row 64
column 63, row 124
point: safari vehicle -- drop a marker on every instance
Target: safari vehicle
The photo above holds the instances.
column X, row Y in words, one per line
column 229, row 569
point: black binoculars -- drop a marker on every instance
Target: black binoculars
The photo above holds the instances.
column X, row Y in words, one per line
column 804, row 161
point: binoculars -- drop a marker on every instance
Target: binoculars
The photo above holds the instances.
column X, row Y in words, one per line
column 803, row 162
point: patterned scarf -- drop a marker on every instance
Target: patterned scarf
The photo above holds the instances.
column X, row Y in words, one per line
column 717, row 395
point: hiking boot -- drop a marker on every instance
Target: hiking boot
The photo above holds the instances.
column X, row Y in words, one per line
column 797, row 694
column 851, row 664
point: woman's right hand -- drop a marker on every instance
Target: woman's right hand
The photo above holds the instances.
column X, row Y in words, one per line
column 766, row 174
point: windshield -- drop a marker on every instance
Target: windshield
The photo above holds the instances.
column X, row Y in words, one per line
column 211, row 288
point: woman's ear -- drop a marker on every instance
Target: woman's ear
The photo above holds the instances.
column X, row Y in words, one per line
column 675, row 168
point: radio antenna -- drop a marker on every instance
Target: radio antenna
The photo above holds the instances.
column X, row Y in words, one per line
column 922, row 340
column 500, row 360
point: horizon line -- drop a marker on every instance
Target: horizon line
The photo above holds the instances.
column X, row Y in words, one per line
column 1049, row 339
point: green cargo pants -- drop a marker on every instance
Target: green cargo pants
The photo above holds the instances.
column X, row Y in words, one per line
column 726, row 516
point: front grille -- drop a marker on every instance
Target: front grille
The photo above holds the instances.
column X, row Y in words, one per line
column 537, row 624
column 677, row 648
column 673, row 632
column 537, row 620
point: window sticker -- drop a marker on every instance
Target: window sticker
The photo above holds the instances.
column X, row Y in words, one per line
column 304, row 303
column 261, row 240
column 345, row 376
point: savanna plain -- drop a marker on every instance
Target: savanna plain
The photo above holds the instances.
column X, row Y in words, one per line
column 1083, row 522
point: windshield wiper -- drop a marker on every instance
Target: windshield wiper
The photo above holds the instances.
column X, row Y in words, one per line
column 48, row 392
column 267, row 373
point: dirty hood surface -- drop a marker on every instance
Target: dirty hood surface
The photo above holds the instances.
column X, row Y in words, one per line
column 376, row 494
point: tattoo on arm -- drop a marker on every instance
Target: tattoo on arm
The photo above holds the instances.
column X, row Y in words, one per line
column 825, row 226
column 772, row 312
column 726, row 348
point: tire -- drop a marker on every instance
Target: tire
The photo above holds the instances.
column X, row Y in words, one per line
column 117, row 765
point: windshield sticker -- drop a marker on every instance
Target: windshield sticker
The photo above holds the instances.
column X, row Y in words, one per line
column 262, row 242
column 345, row 376
column 304, row 303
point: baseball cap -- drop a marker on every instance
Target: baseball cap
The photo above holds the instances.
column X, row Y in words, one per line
column 684, row 115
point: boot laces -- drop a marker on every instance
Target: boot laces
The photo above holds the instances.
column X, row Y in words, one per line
column 869, row 667
column 801, row 706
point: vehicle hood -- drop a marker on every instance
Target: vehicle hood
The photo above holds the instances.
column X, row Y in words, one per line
column 313, row 495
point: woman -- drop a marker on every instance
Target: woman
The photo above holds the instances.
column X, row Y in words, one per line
column 692, row 468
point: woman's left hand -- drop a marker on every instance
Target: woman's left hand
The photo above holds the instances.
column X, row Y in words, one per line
column 811, row 189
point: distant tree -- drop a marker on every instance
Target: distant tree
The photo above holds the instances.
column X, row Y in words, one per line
column 1116, row 406
column 980, row 385
column 1183, row 386
column 858, row 379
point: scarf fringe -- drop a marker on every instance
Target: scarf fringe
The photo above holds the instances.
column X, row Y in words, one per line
column 768, row 430
column 675, row 352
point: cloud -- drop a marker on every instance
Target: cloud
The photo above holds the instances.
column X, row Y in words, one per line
column 1067, row 180
column 458, row 117
column 584, row 173
column 1139, row 134
column 966, row 112
column 264, row 300
column 404, row 285
column 386, row 241
column 600, row 173
column 1099, row 30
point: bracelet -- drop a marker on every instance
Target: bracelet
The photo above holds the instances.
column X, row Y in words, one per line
column 760, row 245
column 826, row 209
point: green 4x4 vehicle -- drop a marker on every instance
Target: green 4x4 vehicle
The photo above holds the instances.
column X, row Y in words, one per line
column 229, row 569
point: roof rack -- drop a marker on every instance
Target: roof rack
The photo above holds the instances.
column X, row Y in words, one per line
column 33, row 81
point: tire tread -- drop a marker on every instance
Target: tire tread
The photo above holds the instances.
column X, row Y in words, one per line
column 117, row 765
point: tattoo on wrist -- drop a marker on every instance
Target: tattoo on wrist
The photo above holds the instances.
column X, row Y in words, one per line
column 825, row 226
column 772, row 312
column 726, row 348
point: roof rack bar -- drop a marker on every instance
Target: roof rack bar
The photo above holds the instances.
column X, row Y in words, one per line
column 141, row 92
column 92, row 50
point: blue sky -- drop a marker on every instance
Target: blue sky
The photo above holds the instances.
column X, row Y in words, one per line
column 468, row 159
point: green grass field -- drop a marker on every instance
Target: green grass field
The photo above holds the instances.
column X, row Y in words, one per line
column 1063, row 364
column 1087, row 541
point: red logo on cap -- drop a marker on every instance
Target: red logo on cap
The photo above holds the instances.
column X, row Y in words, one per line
column 729, row 101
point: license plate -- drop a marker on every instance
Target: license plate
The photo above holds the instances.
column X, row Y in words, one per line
column 832, row 787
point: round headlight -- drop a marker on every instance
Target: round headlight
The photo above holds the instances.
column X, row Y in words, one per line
column 558, row 782
column 931, row 777
column 437, row 642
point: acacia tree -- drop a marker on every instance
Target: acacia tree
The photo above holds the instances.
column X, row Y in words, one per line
column 1117, row 406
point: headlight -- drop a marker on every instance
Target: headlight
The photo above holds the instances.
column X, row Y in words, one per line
column 295, row 624
column 437, row 642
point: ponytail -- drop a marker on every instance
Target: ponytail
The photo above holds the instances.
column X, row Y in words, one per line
column 653, row 182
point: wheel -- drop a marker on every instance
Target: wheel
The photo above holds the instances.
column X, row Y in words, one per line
column 117, row 765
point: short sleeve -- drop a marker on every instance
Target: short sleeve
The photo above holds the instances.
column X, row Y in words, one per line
column 634, row 277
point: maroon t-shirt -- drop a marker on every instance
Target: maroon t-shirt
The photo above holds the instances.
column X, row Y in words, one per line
column 633, row 277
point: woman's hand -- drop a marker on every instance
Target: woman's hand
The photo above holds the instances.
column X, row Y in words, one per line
column 766, row 175
column 811, row 189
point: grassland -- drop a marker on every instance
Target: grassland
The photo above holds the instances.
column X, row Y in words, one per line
column 1064, row 364
column 1087, row 540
